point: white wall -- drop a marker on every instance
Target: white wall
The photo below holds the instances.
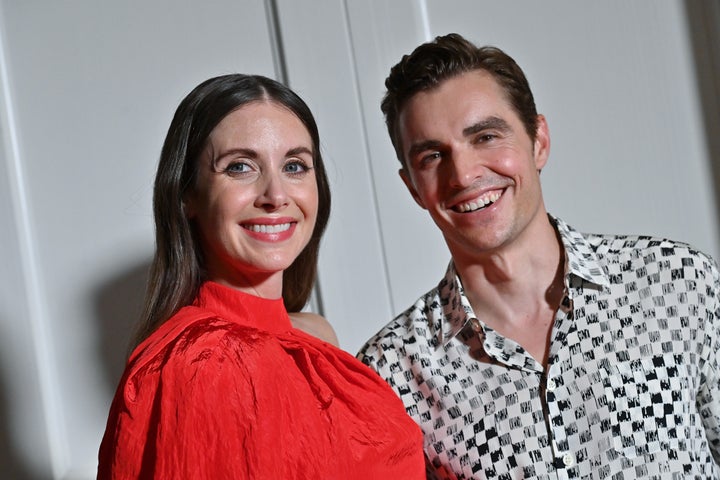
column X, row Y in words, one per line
column 87, row 90
column 92, row 86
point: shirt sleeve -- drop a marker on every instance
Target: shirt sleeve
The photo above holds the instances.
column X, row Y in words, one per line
column 708, row 398
column 365, row 357
column 373, row 355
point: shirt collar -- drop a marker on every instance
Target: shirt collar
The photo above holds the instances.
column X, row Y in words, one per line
column 456, row 306
column 580, row 257
column 581, row 261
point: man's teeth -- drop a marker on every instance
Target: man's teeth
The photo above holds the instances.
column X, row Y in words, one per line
column 268, row 228
column 478, row 203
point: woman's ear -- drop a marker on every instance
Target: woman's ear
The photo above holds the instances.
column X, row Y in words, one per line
column 188, row 206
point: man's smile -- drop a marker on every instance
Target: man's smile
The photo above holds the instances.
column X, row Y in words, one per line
column 482, row 201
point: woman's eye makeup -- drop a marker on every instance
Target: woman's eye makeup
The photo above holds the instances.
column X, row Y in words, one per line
column 296, row 167
column 293, row 167
column 237, row 168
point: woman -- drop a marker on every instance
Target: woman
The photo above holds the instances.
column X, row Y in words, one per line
column 221, row 385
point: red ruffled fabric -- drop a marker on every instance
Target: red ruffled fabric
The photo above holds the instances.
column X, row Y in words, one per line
column 227, row 389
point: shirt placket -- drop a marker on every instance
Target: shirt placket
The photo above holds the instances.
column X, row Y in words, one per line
column 559, row 409
column 559, row 459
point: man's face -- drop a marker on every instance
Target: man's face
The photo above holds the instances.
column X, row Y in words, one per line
column 472, row 165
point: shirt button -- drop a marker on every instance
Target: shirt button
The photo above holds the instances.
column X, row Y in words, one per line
column 475, row 325
column 551, row 385
column 568, row 460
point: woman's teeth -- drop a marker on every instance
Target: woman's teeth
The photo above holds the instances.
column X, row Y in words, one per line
column 268, row 228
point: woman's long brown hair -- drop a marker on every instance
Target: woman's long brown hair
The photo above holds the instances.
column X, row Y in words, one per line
column 177, row 270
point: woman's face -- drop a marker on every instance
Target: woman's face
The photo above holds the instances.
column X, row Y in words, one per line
column 255, row 200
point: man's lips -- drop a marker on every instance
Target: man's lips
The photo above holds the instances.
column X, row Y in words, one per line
column 481, row 201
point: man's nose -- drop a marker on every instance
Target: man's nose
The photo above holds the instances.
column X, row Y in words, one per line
column 464, row 168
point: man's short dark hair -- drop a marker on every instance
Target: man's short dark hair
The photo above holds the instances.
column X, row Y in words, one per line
column 446, row 57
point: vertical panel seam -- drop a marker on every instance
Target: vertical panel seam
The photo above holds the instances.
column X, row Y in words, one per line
column 373, row 187
column 425, row 19
column 276, row 42
column 277, row 48
column 44, row 351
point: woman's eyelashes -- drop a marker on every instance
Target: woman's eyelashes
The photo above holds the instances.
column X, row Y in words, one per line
column 237, row 168
column 294, row 167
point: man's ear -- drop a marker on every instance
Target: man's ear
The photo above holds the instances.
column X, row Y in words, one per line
column 409, row 184
column 541, row 148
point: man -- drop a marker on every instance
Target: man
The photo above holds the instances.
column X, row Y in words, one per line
column 543, row 352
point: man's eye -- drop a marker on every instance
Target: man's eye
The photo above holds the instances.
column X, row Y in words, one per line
column 486, row 137
column 430, row 158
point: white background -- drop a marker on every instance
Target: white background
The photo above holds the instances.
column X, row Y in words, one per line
column 88, row 89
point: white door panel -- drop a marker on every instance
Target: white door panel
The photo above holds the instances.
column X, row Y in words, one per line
column 93, row 87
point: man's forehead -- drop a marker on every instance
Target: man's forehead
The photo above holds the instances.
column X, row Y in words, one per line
column 462, row 100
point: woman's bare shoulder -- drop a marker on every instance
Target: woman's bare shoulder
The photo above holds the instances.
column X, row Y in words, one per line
column 315, row 325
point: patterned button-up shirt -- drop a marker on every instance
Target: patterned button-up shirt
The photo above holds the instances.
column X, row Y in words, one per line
column 632, row 384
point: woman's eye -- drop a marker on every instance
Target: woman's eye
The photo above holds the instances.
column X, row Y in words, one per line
column 295, row 167
column 237, row 168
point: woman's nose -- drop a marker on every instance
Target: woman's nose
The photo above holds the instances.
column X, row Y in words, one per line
column 273, row 194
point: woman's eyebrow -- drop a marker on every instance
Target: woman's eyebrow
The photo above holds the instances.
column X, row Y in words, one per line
column 298, row 151
column 245, row 152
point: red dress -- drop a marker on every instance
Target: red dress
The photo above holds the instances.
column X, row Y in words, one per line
column 227, row 389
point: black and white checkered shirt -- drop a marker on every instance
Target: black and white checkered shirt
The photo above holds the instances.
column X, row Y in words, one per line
column 632, row 386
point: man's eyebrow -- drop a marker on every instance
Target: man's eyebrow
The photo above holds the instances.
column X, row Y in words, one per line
column 495, row 123
column 423, row 146
column 488, row 123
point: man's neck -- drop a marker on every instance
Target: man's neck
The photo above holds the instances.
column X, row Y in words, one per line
column 517, row 289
